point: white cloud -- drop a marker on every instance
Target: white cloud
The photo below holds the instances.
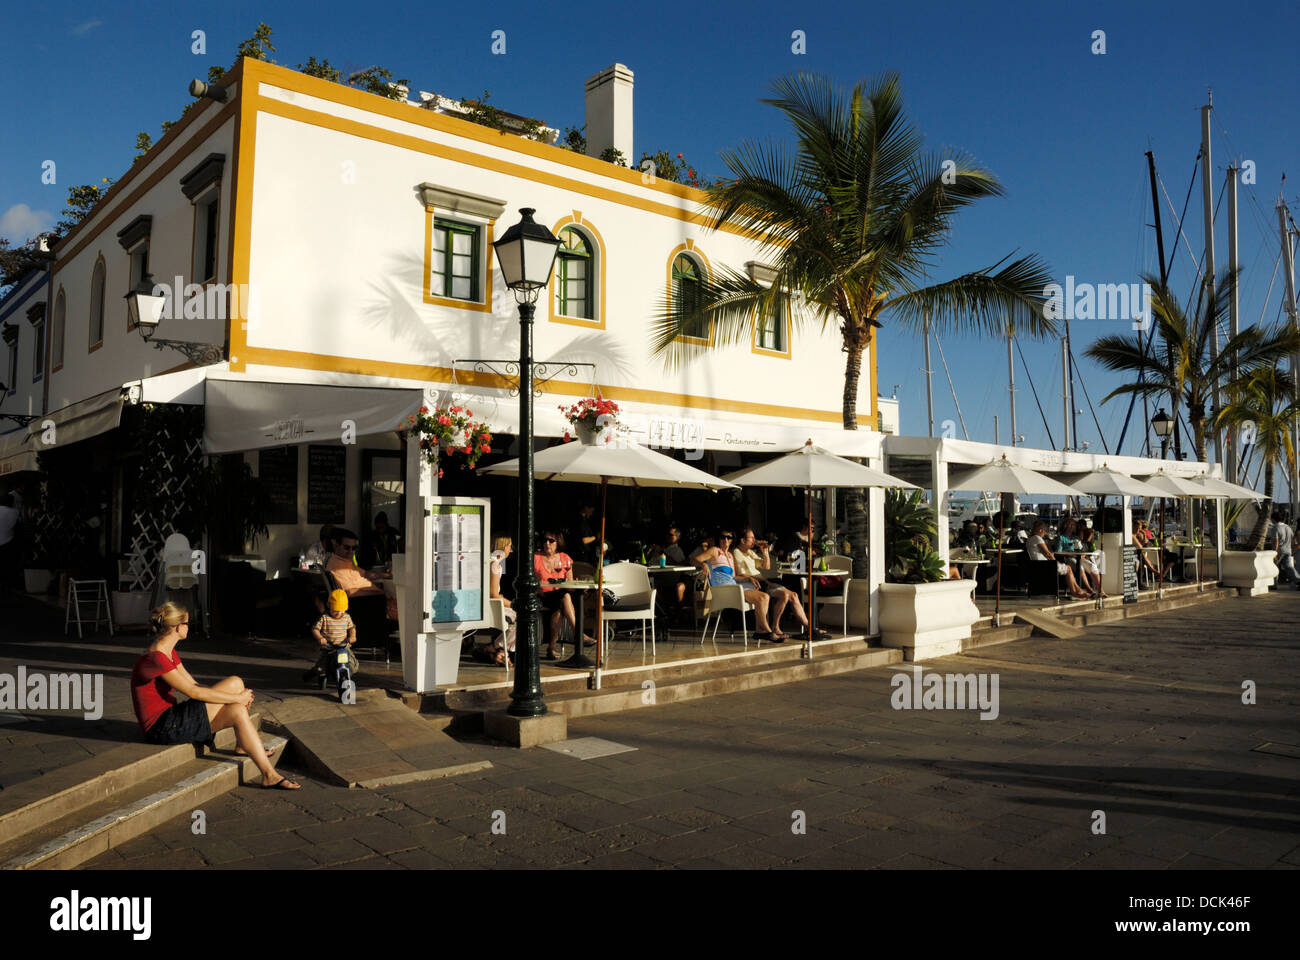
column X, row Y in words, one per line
column 81, row 29
column 20, row 222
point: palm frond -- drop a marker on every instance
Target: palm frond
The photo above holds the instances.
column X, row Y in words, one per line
column 983, row 301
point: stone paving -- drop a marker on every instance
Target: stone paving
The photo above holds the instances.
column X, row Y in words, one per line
column 1142, row 721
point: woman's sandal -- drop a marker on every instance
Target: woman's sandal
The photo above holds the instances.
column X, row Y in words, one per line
column 284, row 783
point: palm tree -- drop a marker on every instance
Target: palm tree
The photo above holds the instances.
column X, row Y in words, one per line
column 1185, row 370
column 848, row 222
column 1258, row 402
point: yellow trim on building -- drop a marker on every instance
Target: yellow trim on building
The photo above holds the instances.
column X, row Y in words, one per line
column 242, row 220
column 575, row 220
column 431, row 374
column 689, row 248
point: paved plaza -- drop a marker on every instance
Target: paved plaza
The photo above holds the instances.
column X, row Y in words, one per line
column 1141, row 723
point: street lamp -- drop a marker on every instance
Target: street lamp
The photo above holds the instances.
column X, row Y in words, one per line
column 526, row 253
column 144, row 310
column 1163, row 424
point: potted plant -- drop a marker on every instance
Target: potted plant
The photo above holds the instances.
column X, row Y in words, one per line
column 593, row 419
column 448, row 433
column 921, row 612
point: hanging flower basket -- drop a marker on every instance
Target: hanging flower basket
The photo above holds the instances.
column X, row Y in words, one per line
column 447, row 433
column 593, row 419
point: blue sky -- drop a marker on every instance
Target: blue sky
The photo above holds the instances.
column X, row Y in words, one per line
column 1015, row 84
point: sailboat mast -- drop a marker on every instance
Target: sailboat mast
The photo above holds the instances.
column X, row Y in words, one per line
column 1065, row 387
column 1288, row 275
column 1234, row 432
column 1207, row 194
column 1011, row 381
column 929, row 384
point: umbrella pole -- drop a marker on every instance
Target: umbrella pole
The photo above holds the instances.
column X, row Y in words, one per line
column 1160, row 555
column 812, row 610
column 600, row 584
column 1200, row 551
column 997, row 602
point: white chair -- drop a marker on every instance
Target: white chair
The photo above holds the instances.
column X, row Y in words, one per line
column 719, row 599
column 176, row 572
column 837, row 562
column 85, row 592
column 636, row 599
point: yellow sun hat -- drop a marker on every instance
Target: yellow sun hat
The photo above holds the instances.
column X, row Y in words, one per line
column 338, row 600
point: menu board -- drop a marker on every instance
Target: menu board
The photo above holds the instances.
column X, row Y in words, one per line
column 457, row 532
column 277, row 472
column 1130, row 574
column 326, row 483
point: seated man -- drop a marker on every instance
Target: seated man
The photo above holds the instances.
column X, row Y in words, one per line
column 1038, row 550
column 382, row 542
column 750, row 564
column 318, row 554
column 674, row 556
column 367, row 600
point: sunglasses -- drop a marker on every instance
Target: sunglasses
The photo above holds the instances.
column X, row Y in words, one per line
column 725, row 536
column 550, row 540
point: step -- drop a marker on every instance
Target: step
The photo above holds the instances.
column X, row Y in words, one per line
column 457, row 702
column 613, row 699
column 1122, row 611
column 131, row 811
column 986, row 635
column 67, row 790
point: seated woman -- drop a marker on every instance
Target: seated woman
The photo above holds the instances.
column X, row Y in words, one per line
column 504, row 645
column 1143, row 537
column 159, row 673
column 552, row 564
column 1090, row 541
column 1038, row 550
column 722, row 566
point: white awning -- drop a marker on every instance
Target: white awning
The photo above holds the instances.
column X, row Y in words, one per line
column 16, row 455
column 250, row 415
column 78, row 421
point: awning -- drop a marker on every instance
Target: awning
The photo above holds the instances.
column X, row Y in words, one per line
column 78, row 421
column 250, row 415
column 16, row 456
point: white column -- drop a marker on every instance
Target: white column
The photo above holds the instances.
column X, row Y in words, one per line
column 1218, row 539
column 417, row 646
column 939, row 498
column 875, row 555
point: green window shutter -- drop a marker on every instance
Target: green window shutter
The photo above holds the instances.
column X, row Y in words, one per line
column 574, row 291
column 455, row 271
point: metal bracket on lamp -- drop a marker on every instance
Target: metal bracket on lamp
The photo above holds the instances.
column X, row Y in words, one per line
column 199, row 354
column 508, row 370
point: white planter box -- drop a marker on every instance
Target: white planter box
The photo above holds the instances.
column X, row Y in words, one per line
column 1112, row 577
column 36, row 581
column 927, row 619
column 1253, row 571
column 130, row 607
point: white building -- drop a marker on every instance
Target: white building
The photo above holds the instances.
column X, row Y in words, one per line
column 337, row 248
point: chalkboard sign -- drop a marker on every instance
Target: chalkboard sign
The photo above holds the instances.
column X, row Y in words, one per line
column 326, row 483
column 1130, row 574
column 277, row 469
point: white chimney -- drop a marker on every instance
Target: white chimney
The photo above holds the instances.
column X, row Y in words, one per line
column 609, row 112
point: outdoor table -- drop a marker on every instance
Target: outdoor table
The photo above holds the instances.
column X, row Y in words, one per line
column 578, row 587
column 676, row 573
column 971, row 562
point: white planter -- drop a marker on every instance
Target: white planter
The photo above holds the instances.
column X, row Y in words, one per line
column 1246, row 570
column 130, row 607
column 36, row 581
column 594, row 436
column 1112, row 577
column 927, row 619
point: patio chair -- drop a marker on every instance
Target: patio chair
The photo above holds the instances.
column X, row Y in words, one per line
column 1043, row 580
column 636, row 599
column 717, row 600
column 176, row 572
column 838, row 600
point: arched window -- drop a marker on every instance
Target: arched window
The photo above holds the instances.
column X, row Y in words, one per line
column 56, row 334
column 97, row 304
column 573, row 290
column 686, row 280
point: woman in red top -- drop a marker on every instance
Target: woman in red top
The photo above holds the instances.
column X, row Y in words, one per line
column 551, row 563
column 158, row 673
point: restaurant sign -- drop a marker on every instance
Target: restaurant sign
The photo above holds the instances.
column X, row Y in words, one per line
column 290, row 431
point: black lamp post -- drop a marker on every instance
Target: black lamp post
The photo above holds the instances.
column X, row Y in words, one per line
column 526, row 253
column 1163, row 424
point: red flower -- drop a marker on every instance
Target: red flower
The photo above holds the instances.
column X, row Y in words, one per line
column 679, row 156
column 423, row 410
column 444, row 420
column 467, row 450
column 469, row 413
column 566, row 436
column 471, row 466
column 484, row 448
column 440, row 472
column 690, row 173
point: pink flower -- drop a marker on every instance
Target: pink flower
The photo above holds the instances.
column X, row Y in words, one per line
column 440, row 472
column 444, row 421
column 424, row 409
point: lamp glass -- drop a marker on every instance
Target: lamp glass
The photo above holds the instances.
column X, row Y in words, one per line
column 526, row 253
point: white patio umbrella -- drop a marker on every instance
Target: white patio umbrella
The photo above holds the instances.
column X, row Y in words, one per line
column 1170, row 485
column 813, row 466
column 621, row 463
column 1212, row 488
column 1003, row 476
column 1105, row 482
